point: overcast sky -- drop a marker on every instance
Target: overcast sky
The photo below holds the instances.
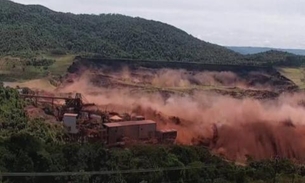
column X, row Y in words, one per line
column 272, row 23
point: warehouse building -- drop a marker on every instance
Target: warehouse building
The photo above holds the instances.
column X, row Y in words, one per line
column 135, row 130
column 167, row 136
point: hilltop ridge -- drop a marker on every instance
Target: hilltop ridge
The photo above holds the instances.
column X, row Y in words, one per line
column 254, row 50
column 33, row 28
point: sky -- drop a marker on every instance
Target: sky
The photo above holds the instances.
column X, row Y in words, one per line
column 264, row 23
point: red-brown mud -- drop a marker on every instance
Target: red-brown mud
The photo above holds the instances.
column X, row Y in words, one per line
column 244, row 127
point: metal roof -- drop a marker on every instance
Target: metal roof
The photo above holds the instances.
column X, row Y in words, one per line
column 116, row 117
column 70, row 114
column 129, row 123
column 168, row 130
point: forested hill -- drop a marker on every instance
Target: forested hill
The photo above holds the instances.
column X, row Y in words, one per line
column 256, row 50
column 276, row 58
column 32, row 28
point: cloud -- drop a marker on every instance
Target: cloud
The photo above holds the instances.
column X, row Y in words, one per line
column 229, row 22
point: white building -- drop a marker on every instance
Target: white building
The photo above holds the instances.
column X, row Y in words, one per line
column 135, row 130
column 69, row 121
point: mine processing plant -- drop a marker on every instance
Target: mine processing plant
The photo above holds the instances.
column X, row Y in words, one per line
column 84, row 122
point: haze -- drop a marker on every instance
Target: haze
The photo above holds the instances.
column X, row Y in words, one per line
column 268, row 23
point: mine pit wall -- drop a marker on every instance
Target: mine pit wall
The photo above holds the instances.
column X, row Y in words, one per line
column 192, row 66
column 118, row 64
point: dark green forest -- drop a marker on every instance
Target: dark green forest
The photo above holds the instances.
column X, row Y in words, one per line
column 27, row 30
column 276, row 58
column 32, row 145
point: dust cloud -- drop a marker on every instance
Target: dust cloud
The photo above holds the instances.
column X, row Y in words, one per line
column 181, row 78
column 235, row 128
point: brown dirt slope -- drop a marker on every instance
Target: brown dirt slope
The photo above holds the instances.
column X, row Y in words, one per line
column 168, row 77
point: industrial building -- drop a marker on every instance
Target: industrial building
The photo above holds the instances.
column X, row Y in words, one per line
column 116, row 132
column 134, row 130
column 86, row 123
column 167, row 136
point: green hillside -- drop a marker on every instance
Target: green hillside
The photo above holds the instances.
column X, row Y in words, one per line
column 276, row 58
column 27, row 29
column 36, row 42
column 254, row 50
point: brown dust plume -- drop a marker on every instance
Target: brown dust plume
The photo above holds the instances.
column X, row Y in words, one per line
column 235, row 128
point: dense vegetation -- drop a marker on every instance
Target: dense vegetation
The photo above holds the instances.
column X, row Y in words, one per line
column 276, row 58
column 30, row 29
column 14, row 120
column 24, row 153
column 255, row 50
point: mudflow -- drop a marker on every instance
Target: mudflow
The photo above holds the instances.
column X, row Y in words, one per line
column 232, row 127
